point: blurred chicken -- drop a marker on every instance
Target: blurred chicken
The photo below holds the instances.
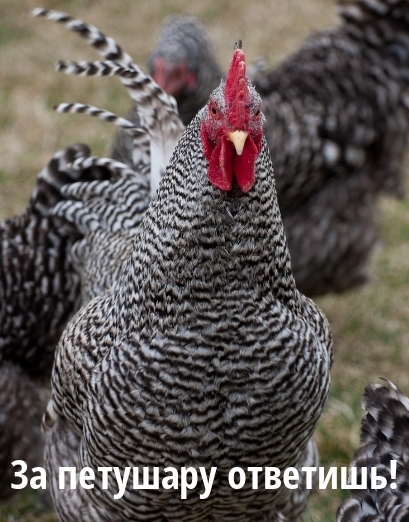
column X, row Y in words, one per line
column 337, row 128
column 184, row 65
column 384, row 437
column 39, row 291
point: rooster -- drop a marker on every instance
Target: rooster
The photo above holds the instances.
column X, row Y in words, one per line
column 338, row 121
column 202, row 352
column 384, row 437
column 338, row 216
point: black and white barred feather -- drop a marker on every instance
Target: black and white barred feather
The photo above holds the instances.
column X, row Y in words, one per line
column 384, row 437
column 109, row 212
column 105, row 45
column 337, row 131
column 156, row 111
column 39, row 289
column 116, row 206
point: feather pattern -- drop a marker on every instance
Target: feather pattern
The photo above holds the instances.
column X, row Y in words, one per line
column 384, row 437
column 157, row 111
column 112, row 211
column 202, row 352
column 39, row 289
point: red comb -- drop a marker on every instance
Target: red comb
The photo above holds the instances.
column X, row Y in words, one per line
column 236, row 88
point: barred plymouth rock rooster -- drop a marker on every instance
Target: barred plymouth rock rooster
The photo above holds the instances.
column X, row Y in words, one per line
column 203, row 352
column 384, row 437
column 337, row 129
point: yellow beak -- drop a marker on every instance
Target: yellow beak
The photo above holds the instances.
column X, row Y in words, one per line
column 238, row 138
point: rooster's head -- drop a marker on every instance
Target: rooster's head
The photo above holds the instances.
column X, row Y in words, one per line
column 232, row 128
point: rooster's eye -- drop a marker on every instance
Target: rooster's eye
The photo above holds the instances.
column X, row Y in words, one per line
column 214, row 110
column 257, row 113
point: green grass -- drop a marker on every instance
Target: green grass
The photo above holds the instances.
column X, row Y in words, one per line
column 27, row 507
column 370, row 325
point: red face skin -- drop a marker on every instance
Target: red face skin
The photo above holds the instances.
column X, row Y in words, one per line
column 173, row 79
column 239, row 111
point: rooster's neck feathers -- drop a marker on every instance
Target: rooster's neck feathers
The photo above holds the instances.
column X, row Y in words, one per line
column 198, row 239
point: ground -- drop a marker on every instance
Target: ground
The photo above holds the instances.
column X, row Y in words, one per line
column 370, row 325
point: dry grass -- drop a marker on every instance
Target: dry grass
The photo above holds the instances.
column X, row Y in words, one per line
column 29, row 130
column 371, row 326
column 371, row 335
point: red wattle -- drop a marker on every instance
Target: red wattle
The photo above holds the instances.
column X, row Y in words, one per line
column 244, row 165
column 221, row 165
column 223, row 161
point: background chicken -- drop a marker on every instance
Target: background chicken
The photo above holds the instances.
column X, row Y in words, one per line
column 384, row 437
column 39, row 292
column 184, row 65
column 337, row 128
column 211, row 242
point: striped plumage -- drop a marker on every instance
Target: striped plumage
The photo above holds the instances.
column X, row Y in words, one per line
column 113, row 210
column 384, row 437
column 203, row 352
column 155, row 112
column 39, row 291
column 337, row 129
